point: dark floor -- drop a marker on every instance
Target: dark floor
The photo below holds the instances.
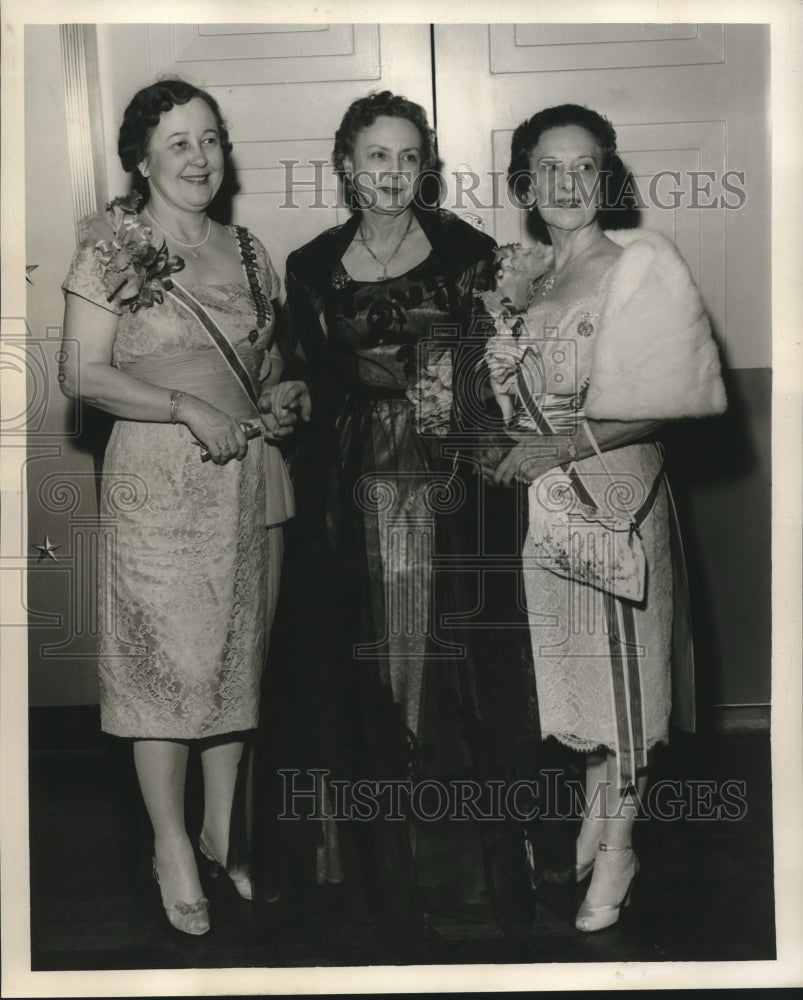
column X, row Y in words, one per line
column 705, row 892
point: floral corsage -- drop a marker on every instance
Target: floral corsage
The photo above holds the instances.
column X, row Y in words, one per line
column 431, row 396
column 135, row 272
column 517, row 269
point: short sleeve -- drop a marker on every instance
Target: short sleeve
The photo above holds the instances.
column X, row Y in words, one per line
column 267, row 273
column 84, row 279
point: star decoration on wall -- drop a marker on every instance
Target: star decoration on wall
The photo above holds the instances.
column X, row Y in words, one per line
column 28, row 269
column 47, row 549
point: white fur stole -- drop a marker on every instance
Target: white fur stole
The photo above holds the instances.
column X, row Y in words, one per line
column 654, row 356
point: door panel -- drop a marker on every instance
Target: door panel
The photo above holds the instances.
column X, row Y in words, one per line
column 528, row 48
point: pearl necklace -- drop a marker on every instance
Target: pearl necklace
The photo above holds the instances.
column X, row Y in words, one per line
column 384, row 263
column 192, row 247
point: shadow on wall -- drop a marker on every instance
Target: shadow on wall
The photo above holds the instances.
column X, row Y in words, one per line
column 720, row 476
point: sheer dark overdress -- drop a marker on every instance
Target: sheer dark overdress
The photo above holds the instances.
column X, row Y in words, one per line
column 384, row 561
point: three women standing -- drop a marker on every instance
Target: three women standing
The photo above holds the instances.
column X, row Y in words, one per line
column 378, row 308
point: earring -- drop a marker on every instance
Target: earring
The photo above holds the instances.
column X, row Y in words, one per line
column 143, row 170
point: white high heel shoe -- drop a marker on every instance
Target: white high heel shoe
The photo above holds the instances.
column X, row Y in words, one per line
column 597, row 916
column 239, row 879
column 189, row 918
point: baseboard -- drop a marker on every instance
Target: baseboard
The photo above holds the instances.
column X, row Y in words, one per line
column 741, row 718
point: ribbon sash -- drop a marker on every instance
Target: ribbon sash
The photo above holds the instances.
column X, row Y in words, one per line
column 279, row 499
column 221, row 341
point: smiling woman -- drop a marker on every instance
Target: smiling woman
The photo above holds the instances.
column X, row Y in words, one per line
column 184, row 158
column 192, row 594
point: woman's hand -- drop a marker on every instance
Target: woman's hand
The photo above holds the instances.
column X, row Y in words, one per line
column 220, row 434
column 530, row 458
column 503, row 400
column 525, row 462
column 88, row 374
column 281, row 404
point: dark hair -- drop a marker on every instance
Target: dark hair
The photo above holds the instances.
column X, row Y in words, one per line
column 526, row 137
column 143, row 115
column 362, row 113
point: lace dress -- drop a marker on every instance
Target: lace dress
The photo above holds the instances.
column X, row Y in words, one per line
column 187, row 592
column 602, row 664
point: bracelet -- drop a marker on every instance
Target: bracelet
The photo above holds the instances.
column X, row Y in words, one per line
column 175, row 399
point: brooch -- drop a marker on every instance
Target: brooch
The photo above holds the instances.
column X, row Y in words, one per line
column 252, row 337
column 585, row 327
column 340, row 281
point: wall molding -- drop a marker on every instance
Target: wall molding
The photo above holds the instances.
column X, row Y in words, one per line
column 261, row 55
column 79, row 62
column 542, row 48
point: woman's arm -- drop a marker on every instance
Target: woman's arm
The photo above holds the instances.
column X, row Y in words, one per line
column 534, row 456
column 274, row 360
column 281, row 402
column 88, row 374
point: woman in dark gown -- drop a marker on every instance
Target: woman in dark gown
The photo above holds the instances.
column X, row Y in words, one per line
column 387, row 688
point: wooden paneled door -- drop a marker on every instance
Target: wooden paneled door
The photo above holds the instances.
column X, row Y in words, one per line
column 283, row 90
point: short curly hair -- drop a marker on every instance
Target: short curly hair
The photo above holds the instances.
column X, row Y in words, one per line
column 144, row 113
column 362, row 113
column 526, row 137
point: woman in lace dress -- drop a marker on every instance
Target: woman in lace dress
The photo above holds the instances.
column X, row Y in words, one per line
column 380, row 308
column 187, row 596
column 608, row 341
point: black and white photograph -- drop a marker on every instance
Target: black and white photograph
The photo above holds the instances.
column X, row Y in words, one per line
column 401, row 488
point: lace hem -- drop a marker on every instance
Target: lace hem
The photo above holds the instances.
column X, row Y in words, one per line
column 589, row 746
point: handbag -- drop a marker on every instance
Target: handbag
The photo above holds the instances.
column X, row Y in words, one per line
column 279, row 496
column 574, row 538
